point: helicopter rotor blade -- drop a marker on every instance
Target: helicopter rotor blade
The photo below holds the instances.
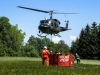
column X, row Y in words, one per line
column 33, row 9
column 50, row 12
column 63, row 13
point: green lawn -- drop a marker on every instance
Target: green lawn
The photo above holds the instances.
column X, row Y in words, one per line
column 95, row 62
column 19, row 59
column 92, row 62
column 32, row 66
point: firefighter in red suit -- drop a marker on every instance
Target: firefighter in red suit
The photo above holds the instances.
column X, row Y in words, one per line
column 45, row 56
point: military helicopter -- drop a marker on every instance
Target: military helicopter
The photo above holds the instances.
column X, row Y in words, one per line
column 50, row 26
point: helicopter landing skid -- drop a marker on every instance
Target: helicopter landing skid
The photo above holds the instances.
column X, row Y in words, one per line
column 57, row 35
column 48, row 34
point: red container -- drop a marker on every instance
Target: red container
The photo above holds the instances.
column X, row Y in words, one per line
column 61, row 60
column 53, row 59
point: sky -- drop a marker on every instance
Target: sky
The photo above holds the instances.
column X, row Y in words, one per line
column 28, row 20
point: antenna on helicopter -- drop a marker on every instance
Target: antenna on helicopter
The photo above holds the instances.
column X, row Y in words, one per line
column 45, row 18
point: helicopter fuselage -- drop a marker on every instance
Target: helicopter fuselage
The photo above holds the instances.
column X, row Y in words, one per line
column 49, row 26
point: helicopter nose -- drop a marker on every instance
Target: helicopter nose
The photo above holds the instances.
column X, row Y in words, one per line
column 44, row 26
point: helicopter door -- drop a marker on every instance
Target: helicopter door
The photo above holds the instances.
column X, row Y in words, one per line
column 54, row 24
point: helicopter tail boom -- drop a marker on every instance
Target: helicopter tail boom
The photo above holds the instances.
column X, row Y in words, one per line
column 66, row 27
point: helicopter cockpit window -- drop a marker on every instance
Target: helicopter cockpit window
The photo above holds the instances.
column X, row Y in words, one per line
column 44, row 21
column 49, row 22
column 57, row 24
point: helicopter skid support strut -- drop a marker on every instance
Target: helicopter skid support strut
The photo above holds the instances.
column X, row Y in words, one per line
column 57, row 35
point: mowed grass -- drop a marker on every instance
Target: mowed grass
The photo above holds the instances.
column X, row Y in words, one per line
column 19, row 59
column 33, row 66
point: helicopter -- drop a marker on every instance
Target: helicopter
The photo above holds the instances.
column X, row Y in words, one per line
column 51, row 25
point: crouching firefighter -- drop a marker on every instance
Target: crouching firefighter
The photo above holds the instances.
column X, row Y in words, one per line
column 45, row 56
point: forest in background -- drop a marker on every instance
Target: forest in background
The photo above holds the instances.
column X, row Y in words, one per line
column 87, row 45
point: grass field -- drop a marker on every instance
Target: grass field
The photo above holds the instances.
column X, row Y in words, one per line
column 32, row 66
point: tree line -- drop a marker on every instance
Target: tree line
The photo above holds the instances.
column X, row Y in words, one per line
column 87, row 45
column 11, row 38
column 39, row 43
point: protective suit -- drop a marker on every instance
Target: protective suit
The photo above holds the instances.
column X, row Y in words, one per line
column 45, row 56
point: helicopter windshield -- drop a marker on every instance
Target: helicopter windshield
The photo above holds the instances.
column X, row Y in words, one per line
column 44, row 21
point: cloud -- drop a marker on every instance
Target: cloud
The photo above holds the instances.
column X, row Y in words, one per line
column 56, row 39
column 73, row 38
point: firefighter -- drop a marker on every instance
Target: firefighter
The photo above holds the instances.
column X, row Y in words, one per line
column 45, row 56
column 77, row 58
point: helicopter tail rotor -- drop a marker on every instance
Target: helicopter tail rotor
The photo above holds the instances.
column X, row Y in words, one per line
column 67, row 22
